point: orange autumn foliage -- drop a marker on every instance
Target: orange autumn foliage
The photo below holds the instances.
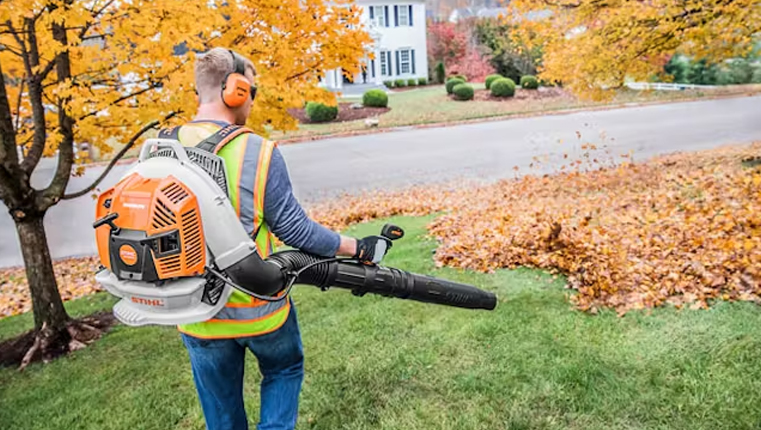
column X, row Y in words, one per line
column 683, row 229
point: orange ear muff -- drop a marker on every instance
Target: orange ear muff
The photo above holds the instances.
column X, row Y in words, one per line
column 235, row 90
column 236, row 87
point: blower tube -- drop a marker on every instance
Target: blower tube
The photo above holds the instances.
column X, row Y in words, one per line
column 268, row 277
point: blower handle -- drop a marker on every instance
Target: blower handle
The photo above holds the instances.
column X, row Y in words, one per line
column 176, row 146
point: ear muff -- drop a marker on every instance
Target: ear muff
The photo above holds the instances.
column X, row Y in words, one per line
column 236, row 87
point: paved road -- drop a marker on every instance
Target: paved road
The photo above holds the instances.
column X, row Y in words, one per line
column 485, row 151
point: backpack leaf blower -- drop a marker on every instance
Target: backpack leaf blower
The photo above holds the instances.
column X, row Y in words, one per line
column 172, row 248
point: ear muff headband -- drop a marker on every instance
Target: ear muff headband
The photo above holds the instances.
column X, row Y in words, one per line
column 236, row 87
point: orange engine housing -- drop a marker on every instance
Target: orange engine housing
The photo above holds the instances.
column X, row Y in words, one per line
column 157, row 233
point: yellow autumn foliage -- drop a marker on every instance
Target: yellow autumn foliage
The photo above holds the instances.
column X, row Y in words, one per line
column 132, row 61
column 593, row 46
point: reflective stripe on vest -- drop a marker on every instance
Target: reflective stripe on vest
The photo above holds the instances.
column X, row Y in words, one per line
column 242, row 315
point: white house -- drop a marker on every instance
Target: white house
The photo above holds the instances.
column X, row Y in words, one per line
column 399, row 48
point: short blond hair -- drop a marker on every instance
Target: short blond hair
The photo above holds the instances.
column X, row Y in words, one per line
column 210, row 70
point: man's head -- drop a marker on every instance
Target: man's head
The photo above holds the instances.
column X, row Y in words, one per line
column 211, row 71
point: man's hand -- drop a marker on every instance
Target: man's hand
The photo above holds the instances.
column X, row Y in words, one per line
column 372, row 249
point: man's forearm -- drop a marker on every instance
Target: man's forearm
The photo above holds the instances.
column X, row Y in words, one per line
column 348, row 247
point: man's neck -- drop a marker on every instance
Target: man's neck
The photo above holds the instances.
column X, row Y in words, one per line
column 214, row 112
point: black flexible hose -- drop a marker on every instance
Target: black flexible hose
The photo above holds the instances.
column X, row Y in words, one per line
column 288, row 267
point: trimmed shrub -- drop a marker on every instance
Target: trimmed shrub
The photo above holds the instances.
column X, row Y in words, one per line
column 490, row 79
column 318, row 112
column 441, row 74
column 503, row 87
column 388, row 84
column 411, row 82
column 452, row 83
column 463, row 92
column 400, row 83
column 375, row 98
column 422, row 81
column 463, row 77
column 529, row 82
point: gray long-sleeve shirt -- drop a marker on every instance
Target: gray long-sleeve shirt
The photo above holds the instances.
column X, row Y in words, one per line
column 288, row 220
column 282, row 212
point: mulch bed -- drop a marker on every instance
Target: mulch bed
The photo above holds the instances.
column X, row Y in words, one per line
column 345, row 113
column 520, row 94
column 12, row 351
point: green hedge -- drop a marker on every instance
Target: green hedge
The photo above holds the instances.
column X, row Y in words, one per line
column 503, row 87
column 422, row 81
column 452, row 83
column 388, row 84
column 318, row 112
column 411, row 82
column 529, row 82
column 463, row 92
column 375, row 98
column 400, row 83
column 490, row 79
column 463, row 77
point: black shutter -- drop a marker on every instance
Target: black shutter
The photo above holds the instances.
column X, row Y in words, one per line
column 398, row 70
column 412, row 60
column 388, row 65
column 372, row 12
column 396, row 16
column 385, row 9
column 372, row 65
column 410, row 16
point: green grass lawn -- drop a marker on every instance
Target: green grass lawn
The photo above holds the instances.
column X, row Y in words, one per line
column 378, row 363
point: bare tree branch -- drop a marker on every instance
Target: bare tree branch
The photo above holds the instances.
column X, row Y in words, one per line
column 31, row 59
column 121, row 99
column 18, row 106
column 48, row 68
column 9, row 168
column 13, row 51
column 118, row 157
column 34, row 53
column 52, row 194
column 16, row 36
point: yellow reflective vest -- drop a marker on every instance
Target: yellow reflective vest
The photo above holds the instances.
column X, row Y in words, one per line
column 243, row 315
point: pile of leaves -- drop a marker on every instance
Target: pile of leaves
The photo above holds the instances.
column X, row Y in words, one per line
column 683, row 229
column 76, row 278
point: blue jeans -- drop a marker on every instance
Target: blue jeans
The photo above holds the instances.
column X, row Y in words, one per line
column 218, row 374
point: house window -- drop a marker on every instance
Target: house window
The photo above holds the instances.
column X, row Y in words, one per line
column 379, row 16
column 404, row 61
column 385, row 70
column 404, row 16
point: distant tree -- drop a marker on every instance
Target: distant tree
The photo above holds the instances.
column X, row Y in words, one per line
column 509, row 56
column 593, row 46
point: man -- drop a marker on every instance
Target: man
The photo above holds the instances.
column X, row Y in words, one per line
column 260, row 189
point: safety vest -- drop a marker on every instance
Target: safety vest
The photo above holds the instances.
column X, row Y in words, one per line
column 243, row 315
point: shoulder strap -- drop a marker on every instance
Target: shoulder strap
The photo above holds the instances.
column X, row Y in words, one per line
column 218, row 140
column 169, row 133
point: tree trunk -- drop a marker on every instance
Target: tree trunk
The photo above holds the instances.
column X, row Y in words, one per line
column 47, row 304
